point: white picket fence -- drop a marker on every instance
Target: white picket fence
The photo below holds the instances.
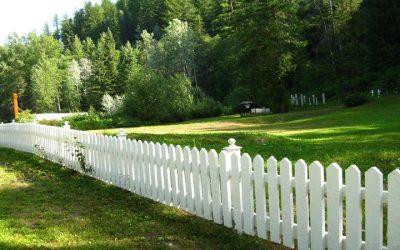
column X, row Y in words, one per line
column 303, row 210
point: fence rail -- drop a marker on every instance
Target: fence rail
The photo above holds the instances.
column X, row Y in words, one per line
column 310, row 208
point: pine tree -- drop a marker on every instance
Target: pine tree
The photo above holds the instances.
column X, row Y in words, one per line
column 105, row 70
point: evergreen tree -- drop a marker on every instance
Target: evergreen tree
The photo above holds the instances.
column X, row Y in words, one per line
column 105, row 70
column 67, row 32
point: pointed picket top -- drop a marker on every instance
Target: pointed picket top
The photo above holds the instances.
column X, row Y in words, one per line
column 333, row 168
column 353, row 170
column 213, row 157
column 372, row 172
column 394, row 210
column 195, row 151
column 285, row 164
column 171, row 150
column 203, row 155
column 246, row 157
column 300, row 165
column 285, row 161
column 186, row 150
column 258, row 160
column 164, row 146
column 316, row 165
column 179, row 153
column 222, row 154
column 272, row 160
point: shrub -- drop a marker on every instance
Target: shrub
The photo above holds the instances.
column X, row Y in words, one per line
column 26, row 117
column 206, row 107
column 91, row 120
column 151, row 96
column 112, row 105
column 356, row 99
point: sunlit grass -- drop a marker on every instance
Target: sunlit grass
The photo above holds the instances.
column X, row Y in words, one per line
column 45, row 206
column 367, row 136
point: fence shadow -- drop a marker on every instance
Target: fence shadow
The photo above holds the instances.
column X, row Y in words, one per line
column 55, row 200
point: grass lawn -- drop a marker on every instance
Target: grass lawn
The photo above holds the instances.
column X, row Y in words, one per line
column 45, row 206
column 367, row 136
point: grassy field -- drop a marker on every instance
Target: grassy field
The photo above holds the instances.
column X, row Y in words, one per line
column 367, row 136
column 45, row 206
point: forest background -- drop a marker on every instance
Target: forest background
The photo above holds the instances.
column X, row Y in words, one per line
column 171, row 60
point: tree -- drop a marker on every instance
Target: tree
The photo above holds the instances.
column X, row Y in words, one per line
column 71, row 87
column 105, row 70
column 67, row 32
column 265, row 40
column 46, row 80
column 128, row 61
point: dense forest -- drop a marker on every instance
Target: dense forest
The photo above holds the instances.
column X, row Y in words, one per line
column 166, row 60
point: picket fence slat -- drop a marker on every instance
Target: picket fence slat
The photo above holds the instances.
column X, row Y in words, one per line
column 261, row 212
column 174, row 177
column 334, row 204
column 225, row 188
column 236, row 193
column 181, row 178
column 205, row 183
column 198, row 199
column 273, row 196
column 215, row 187
column 187, row 162
column 317, row 206
column 166, row 173
column 373, row 209
column 247, row 194
column 394, row 210
column 300, row 209
column 353, row 208
column 287, row 203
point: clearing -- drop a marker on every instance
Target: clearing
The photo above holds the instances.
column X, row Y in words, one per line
column 367, row 136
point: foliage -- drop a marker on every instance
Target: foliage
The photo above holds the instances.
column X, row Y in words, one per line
column 232, row 50
column 356, row 99
column 112, row 105
column 206, row 107
column 46, row 80
column 26, row 116
column 152, row 97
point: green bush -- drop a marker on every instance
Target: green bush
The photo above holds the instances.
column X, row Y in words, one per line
column 151, row 96
column 26, row 117
column 206, row 107
column 356, row 99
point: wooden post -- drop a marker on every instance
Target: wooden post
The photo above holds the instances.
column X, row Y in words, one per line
column 15, row 102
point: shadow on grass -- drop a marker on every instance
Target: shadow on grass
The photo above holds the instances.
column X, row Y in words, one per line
column 59, row 209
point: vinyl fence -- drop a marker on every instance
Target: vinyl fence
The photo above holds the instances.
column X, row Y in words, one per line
column 310, row 208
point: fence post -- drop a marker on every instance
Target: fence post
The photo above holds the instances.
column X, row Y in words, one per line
column 121, row 134
column 232, row 148
column 66, row 126
column 226, row 184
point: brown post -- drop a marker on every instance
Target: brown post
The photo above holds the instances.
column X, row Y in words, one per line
column 15, row 102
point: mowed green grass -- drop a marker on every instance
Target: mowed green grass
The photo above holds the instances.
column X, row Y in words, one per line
column 367, row 136
column 45, row 206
